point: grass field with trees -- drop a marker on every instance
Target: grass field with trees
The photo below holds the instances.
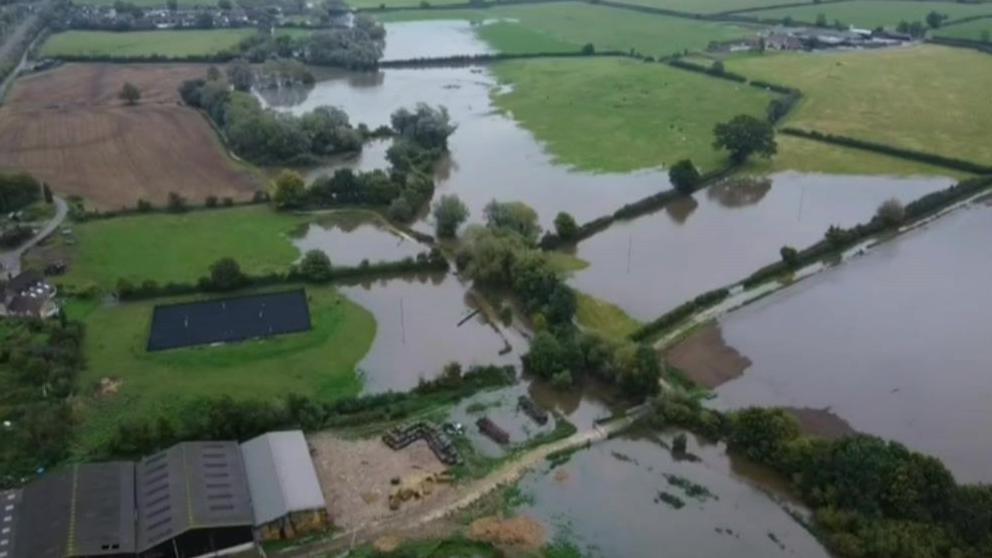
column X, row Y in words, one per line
column 177, row 44
column 709, row 6
column 180, row 247
column 975, row 30
column 580, row 23
column 928, row 98
column 621, row 115
column 872, row 13
column 319, row 363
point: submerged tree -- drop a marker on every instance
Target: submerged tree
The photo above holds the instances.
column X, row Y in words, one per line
column 684, row 176
column 449, row 213
column 565, row 226
column 130, row 93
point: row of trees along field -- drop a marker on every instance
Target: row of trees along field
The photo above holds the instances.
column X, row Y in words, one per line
column 359, row 47
column 420, row 138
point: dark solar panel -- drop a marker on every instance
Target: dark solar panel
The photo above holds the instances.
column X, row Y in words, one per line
column 228, row 320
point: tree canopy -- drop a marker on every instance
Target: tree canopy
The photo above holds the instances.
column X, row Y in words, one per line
column 745, row 135
column 449, row 213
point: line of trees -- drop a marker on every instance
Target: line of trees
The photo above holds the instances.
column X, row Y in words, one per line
column 358, row 47
column 503, row 254
column 17, row 191
column 870, row 497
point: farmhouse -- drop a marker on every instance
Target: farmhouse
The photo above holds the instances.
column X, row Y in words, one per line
column 193, row 499
column 28, row 295
column 286, row 496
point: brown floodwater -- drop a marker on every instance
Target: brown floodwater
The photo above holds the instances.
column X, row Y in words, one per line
column 491, row 157
column 418, row 331
column 432, row 39
column 350, row 237
column 650, row 265
column 605, row 499
column 896, row 342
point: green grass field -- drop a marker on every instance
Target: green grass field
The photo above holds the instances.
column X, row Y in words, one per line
column 929, row 98
column 319, row 363
column 977, row 30
column 180, row 248
column 872, row 13
column 619, row 115
column 143, row 43
column 709, row 6
column 579, row 23
column 604, row 318
column 514, row 38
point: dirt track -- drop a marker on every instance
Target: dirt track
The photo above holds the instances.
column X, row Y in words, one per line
column 67, row 127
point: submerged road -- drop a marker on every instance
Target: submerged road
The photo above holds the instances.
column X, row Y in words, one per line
column 10, row 261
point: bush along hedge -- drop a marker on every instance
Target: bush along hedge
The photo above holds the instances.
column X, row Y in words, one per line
column 223, row 418
column 715, row 70
column 920, row 156
column 680, row 313
column 426, row 262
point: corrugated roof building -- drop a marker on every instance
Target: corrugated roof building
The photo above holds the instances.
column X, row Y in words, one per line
column 192, row 499
column 286, row 495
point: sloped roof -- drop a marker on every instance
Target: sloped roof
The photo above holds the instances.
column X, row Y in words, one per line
column 10, row 508
column 86, row 510
column 192, row 485
column 281, row 475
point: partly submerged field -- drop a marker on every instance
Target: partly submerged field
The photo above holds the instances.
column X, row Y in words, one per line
column 621, row 115
column 928, row 98
column 122, row 382
column 180, row 247
column 872, row 13
column 578, row 23
column 177, row 44
column 67, row 127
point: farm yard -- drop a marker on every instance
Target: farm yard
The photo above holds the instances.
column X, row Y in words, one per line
column 67, row 127
column 638, row 106
column 888, row 96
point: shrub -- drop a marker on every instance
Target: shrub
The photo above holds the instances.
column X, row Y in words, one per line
column 684, row 176
column 891, row 212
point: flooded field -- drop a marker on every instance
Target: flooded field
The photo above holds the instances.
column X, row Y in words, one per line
column 652, row 264
column 419, row 330
column 491, row 156
column 609, row 500
column 432, row 39
column 348, row 237
column 895, row 342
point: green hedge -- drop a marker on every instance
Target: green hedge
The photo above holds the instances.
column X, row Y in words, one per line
column 672, row 317
column 700, row 69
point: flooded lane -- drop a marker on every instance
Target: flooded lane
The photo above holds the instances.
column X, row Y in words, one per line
column 895, row 342
column 491, row 156
column 607, row 499
column 418, row 331
column 650, row 265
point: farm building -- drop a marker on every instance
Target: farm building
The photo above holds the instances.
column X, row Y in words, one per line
column 85, row 511
column 192, row 500
column 28, row 295
column 286, row 496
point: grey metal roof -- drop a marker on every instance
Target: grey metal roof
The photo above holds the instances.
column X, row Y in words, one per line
column 192, row 485
column 281, row 475
column 10, row 507
column 87, row 510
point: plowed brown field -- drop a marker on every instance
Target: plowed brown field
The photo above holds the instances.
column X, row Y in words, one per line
column 68, row 127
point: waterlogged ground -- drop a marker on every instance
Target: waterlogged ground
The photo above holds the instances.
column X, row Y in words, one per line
column 432, row 39
column 418, row 331
column 608, row 500
column 491, row 156
column 895, row 342
column 652, row 264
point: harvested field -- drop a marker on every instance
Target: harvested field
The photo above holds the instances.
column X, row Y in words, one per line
column 68, row 128
column 706, row 359
column 356, row 475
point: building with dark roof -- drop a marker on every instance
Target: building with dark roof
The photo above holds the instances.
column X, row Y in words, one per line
column 285, row 492
column 28, row 295
column 10, row 507
column 85, row 511
column 192, row 499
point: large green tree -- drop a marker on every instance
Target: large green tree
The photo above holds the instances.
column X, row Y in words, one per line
column 449, row 213
column 745, row 135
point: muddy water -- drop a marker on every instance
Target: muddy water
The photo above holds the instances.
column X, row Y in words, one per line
column 432, row 39
column 372, row 156
column 652, row 264
column 491, row 156
column 895, row 342
column 417, row 331
column 606, row 500
column 350, row 237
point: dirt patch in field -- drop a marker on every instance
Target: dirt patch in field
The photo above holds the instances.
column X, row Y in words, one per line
column 706, row 358
column 521, row 533
column 67, row 127
column 358, row 476
column 821, row 422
